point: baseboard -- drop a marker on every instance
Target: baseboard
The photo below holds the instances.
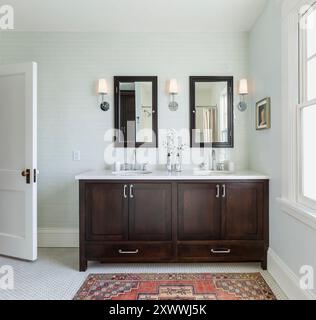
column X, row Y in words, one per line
column 287, row 279
column 58, row 238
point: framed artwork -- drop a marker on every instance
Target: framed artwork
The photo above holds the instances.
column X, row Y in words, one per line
column 263, row 114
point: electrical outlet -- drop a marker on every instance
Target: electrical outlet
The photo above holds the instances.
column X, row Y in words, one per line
column 76, row 155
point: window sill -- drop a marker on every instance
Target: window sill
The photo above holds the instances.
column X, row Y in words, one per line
column 299, row 212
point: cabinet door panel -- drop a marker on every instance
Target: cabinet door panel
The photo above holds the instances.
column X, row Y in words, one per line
column 150, row 212
column 243, row 211
column 199, row 216
column 107, row 212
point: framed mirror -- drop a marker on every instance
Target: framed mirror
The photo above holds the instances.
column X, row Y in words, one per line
column 211, row 108
column 136, row 111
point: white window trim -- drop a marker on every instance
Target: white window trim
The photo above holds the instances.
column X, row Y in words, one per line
column 290, row 99
column 301, row 198
column 302, row 104
column 299, row 212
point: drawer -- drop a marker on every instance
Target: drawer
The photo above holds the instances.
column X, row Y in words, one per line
column 129, row 251
column 222, row 251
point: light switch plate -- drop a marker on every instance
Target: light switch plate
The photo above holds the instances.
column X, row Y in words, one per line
column 76, row 155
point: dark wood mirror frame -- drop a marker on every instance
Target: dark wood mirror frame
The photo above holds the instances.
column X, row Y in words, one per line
column 117, row 110
column 230, row 112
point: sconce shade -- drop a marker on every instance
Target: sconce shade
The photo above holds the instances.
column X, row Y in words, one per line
column 102, row 86
column 173, row 86
column 243, row 86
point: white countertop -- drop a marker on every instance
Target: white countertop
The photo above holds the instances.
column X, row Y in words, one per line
column 164, row 175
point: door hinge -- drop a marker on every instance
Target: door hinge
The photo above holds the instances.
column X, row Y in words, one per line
column 35, row 175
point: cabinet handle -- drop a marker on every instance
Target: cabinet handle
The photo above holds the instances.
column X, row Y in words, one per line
column 128, row 252
column 220, row 251
column 131, row 191
column 217, row 191
column 125, row 191
column 224, row 191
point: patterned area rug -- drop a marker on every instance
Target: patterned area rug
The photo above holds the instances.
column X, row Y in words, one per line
column 234, row 286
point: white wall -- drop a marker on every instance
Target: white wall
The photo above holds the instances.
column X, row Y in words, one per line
column 292, row 241
column 68, row 114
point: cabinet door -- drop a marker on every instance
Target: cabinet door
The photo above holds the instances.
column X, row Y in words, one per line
column 199, row 212
column 243, row 210
column 106, row 211
column 150, row 212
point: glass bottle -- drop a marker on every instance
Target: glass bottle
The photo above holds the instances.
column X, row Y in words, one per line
column 169, row 163
column 178, row 162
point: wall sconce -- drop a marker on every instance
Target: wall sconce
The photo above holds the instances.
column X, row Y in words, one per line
column 242, row 91
column 103, row 91
column 173, row 91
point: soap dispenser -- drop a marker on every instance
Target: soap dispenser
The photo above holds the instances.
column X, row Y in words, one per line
column 169, row 163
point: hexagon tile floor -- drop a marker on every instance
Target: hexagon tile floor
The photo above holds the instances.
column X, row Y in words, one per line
column 55, row 275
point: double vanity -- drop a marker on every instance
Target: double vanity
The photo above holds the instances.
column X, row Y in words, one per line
column 177, row 217
column 188, row 216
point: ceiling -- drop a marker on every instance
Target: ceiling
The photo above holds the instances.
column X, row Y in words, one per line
column 136, row 15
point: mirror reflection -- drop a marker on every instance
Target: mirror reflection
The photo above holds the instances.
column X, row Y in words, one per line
column 211, row 112
column 212, row 109
column 136, row 111
column 136, row 106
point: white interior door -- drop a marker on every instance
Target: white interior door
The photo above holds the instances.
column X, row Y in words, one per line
column 18, row 160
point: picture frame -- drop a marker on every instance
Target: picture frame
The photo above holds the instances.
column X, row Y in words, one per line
column 263, row 114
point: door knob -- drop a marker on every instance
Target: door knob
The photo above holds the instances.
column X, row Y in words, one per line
column 27, row 174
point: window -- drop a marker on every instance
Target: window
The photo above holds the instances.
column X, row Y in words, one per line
column 307, row 109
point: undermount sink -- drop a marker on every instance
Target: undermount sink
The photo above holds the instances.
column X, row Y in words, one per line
column 209, row 173
column 131, row 172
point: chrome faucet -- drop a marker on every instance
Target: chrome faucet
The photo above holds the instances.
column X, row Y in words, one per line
column 135, row 160
column 133, row 165
column 213, row 160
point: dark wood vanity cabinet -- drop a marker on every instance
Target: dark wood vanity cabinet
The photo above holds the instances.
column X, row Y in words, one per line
column 174, row 221
column 227, row 211
column 243, row 211
column 150, row 212
column 106, row 212
column 199, row 211
column 223, row 222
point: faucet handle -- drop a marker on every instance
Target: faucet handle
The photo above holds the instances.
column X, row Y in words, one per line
column 203, row 166
column 144, row 166
column 221, row 166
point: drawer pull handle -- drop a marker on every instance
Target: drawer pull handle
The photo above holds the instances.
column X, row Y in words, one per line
column 220, row 251
column 128, row 252
column 131, row 195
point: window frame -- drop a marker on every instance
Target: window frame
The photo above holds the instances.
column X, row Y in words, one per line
column 289, row 200
column 303, row 103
